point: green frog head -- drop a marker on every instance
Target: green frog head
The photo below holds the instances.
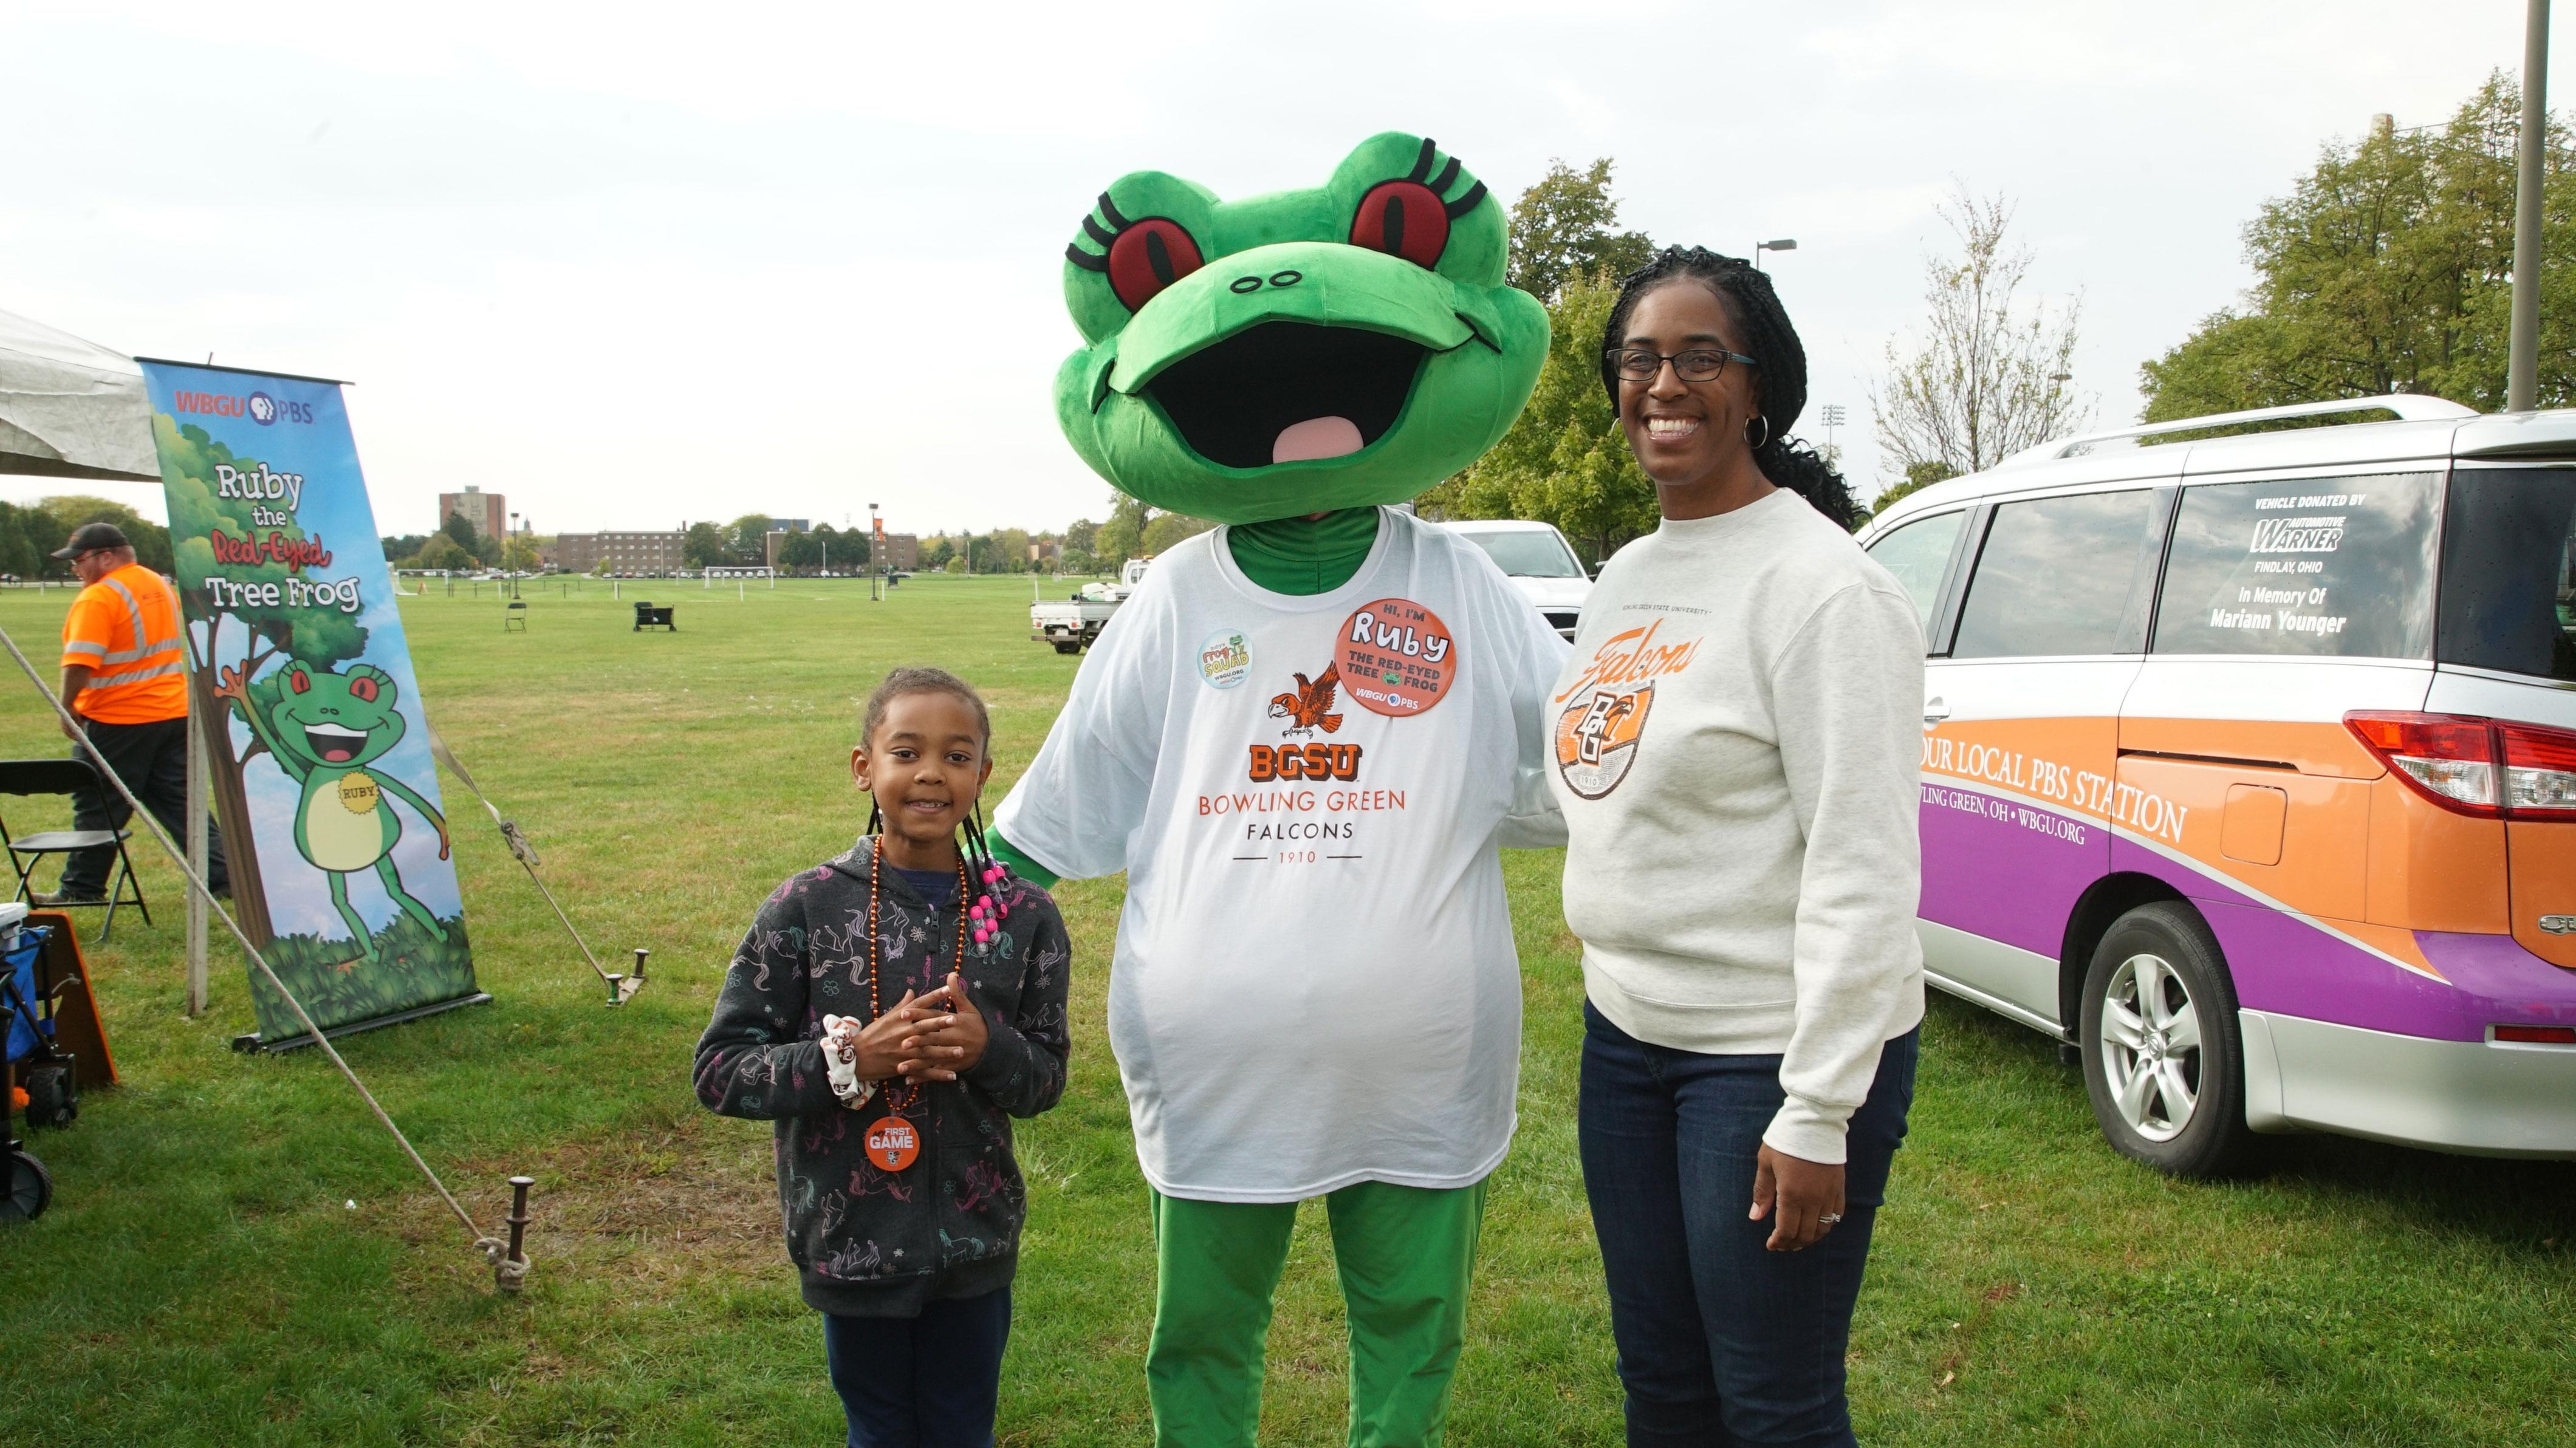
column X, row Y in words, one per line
column 1297, row 352
column 335, row 721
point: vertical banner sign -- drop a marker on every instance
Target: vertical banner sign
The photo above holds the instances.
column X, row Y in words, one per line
column 332, row 826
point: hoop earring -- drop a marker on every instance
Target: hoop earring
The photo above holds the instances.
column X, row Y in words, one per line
column 1764, row 441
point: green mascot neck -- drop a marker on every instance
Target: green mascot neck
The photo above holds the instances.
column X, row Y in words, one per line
column 1304, row 555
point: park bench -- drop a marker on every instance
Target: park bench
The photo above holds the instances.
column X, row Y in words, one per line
column 648, row 616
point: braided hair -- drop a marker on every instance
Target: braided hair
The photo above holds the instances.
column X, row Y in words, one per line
column 1768, row 338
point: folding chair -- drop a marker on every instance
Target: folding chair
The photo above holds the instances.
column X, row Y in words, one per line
column 63, row 776
column 514, row 617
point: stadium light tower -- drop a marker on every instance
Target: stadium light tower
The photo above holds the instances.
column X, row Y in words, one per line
column 1832, row 418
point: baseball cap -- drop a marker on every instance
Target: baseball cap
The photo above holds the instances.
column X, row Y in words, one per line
column 89, row 536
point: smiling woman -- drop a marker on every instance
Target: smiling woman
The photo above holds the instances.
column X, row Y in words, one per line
column 1749, row 1036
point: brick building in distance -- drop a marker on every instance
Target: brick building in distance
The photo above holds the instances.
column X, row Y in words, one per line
column 622, row 552
column 488, row 512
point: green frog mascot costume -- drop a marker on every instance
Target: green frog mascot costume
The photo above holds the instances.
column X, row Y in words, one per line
column 1304, row 739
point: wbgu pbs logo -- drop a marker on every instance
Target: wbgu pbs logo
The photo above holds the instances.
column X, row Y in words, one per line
column 259, row 407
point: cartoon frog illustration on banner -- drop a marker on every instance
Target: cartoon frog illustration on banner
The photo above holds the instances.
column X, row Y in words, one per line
column 1315, row 991
column 324, row 730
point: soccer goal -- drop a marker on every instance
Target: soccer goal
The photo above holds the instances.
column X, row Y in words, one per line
column 739, row 575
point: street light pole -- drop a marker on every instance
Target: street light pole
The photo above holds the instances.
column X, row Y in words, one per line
column 876, row 592
column 1786, row 243
column 2522, row 349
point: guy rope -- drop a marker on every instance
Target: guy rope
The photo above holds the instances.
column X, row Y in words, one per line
column 508, row 1256
column 621, row 988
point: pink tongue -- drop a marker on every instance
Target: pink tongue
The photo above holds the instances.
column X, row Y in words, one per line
column 1316, row 437
column 334, row 756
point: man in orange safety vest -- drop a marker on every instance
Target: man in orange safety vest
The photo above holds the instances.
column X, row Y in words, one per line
column 125, row 678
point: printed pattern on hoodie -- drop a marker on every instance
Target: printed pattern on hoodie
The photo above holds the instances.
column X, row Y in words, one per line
column 870, row 1242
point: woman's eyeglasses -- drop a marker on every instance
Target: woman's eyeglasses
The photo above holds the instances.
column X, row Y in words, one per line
column 1636, row 364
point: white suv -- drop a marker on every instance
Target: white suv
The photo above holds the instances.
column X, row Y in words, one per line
column 1540, row 563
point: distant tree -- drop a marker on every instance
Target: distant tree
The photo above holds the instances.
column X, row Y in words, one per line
column 1565, row 460
column 1561, row 230
column 1123, row 536
column 936, row 553
column 2389, row 268
column 1986, row 378
column 151, row 541
column 441, row 551
column 461, row 529
column 404, row 545
column 802, row 550
column 956, row 563
column 747, row 539
column 1082, row 536
column 1076, row 560
column 1167, row 529
column 521, row 553
column 1917, row 477
column 703, row 546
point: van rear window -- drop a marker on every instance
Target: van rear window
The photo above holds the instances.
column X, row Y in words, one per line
column 2509, row 572
column 2322, row 567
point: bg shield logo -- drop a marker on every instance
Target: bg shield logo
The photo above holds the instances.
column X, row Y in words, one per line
column 1597, row 734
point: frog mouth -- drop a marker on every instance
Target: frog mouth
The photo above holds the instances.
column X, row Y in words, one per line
column 332, row 743
column 1288, row 391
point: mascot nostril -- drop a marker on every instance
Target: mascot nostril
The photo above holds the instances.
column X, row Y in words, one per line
column 1315, row 991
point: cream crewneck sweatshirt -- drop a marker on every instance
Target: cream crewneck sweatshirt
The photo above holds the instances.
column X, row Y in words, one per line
column 1738, row 737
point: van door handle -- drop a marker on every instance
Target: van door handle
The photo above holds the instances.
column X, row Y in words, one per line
column 1935, row 710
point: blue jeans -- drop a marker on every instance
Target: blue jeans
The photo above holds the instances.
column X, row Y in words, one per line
column 1722, row 1341
column 931, row 1381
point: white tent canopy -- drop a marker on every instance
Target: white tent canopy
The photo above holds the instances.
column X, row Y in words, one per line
column 71, row 409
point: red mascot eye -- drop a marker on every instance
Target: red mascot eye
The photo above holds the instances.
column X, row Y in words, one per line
column 298, row 680
column 1148, row 256
column 1402, row 218
column 363, row 687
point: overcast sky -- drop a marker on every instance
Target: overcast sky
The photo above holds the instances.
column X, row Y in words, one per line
column 639, row 265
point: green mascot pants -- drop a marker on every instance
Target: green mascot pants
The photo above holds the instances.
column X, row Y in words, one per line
column 1406, row 1256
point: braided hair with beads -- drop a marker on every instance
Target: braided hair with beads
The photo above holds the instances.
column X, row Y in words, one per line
column 1780, row 362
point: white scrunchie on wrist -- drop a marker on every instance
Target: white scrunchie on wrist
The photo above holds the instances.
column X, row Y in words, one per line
column 841, row 1061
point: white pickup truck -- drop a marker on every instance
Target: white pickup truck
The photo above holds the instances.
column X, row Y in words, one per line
column 1074, row 623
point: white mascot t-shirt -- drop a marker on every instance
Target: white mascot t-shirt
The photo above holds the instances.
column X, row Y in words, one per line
column 1315, row 982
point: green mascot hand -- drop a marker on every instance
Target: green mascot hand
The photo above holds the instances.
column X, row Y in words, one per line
column 1299, row 352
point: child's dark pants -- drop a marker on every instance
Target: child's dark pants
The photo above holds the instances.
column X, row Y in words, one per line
column 922, row 1382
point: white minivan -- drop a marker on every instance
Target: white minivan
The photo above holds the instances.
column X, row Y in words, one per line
column 1540, row 563
column 2249, row 771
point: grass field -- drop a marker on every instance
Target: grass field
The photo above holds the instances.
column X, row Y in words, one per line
column 238, row 1255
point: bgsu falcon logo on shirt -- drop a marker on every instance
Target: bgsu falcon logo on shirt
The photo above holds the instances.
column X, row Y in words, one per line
column 1597, row 734
column 1310, row 707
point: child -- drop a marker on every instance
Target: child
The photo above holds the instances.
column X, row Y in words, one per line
column 890, row 1009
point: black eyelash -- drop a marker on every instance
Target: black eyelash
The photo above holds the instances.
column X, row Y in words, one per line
column 1118, row 222
column 1448, row 177
column 1422, row 160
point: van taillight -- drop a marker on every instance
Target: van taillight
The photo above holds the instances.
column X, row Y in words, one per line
column 2491, row 768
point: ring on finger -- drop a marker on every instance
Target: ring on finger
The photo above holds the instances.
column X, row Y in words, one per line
column 1829, row 1218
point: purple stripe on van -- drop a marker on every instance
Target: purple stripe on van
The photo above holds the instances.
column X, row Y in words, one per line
column 2012, row 872
column 2003, row 869
column 2282, row 963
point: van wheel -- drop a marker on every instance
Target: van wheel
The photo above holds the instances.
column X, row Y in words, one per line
column 2163, row 1062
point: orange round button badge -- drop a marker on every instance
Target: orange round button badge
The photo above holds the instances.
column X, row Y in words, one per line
column 1397, row 657
column 892, row 1143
